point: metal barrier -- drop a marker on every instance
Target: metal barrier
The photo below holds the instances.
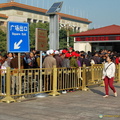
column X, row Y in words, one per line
column 94, row 74
column 117, row 73
column 69, row 78
column 24, row 82
column 3, row 82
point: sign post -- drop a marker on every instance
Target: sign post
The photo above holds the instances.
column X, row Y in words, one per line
column 41, row 39
column 41, row 42
column 18, row 41
column 41, row 45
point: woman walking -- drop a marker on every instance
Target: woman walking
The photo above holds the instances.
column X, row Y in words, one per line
column 108, row 76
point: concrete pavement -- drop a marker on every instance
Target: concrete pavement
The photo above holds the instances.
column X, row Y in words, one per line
column 79, row 105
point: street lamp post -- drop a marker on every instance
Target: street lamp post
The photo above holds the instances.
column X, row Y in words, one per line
column 68, row 28
column 54, row 24
column 68, row 38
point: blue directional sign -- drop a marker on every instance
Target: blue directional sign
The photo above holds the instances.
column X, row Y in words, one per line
column 18, row 37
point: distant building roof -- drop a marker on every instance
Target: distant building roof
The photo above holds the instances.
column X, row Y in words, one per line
column 108, row 30
column 28, row 7
column 3, row 16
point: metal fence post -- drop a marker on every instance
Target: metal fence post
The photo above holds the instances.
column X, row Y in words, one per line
column 8, row 97
column 92, row 73
column 102, row 84
column 79, row 74
column 119, row 72
column 54, row 92
column 84, row 88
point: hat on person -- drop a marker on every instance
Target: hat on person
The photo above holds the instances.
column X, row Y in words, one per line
column 73, row 53
column 77, row 55
column 70, row 48
column 47, row 52
column 51, row 51
column 67, row 55
column 56, row 52
column 61, row 51
column 64, row 51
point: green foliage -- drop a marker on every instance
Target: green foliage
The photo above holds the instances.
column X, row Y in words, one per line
column 62, row 35
column 3, row 43
column 33, row 26
column 71, row 43
column 63, row 38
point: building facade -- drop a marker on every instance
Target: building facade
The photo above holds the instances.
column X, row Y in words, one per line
column 13, row 11
column 107, row 37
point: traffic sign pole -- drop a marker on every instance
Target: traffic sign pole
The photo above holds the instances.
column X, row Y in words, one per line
column 18, row 42
column 40, row 71
column 19, row 77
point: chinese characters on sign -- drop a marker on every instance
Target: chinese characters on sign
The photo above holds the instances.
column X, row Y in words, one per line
column 18, row 37
column 19, row 27
column 41, row 39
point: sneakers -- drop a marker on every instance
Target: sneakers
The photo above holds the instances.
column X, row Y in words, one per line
column 2, row 93
column 115, row 94
column 64, row 91
column 106, row 96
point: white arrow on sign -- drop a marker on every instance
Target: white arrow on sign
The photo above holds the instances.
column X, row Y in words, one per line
column 16, row 45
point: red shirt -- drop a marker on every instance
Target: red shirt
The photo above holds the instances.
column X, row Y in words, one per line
column 117, row 60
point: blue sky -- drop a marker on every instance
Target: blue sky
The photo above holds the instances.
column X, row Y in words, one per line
column 100, row 12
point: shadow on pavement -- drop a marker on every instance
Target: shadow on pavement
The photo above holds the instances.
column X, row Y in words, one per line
column 117, row 86
column 97, row 91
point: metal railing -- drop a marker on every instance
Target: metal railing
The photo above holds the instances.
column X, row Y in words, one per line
column 117, row 73
column 15, row 83
column 68, row 78
column 94, row 74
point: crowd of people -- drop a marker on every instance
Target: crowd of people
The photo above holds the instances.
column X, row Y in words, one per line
column 61, row 58
column 67, row 58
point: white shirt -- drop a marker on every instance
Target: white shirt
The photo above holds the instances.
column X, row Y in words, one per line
column 4, row 66
column 109, row 70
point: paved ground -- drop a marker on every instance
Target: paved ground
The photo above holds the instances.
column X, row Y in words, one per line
column 79, row 105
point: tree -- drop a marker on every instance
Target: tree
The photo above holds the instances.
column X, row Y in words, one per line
column 3, row 43
column 33, row 26
column 63, row 38
column 62, row 35
column 71, row 39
